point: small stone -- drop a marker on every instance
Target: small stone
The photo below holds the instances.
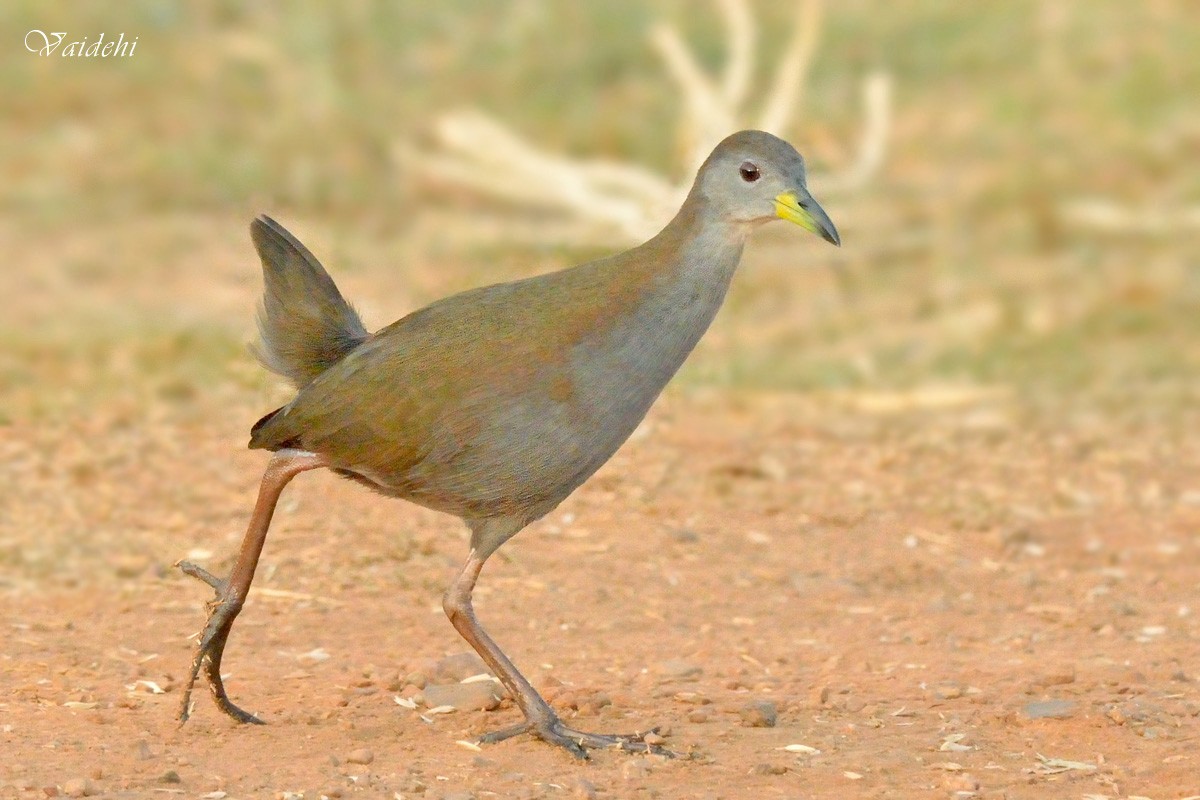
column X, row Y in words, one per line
column 654, row 739
column 699, row 715
column 458, row 667
column 819, row 696
column 1117, row 715
column 332, row 791
column 79, row 787
column 769, row 769
column 1050, row 709
column 677, row 669
column 414, row 785
column 583, row 789
column 692, row 698
column 414, row 694
column 418, row 679
column 1056, row 677
column 475, row 696
column 170, row 776
column 758, row 714
column 948, row 691
column 590, row 703
column 360, row 756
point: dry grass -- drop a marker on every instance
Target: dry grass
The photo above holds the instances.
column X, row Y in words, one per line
column 137, row 175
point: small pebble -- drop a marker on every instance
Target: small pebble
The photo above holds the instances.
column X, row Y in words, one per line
column 360, row 756
column 699, row 715
column 758, row 714
column 170, row 776
column 1057, row 677
column 79, row 787
column 948, row 691
column 455, row 668
column 1050, row 709
column 583, row 789
column 677, row 669
column 414, row 785
column 477, row 696
column 769, row 769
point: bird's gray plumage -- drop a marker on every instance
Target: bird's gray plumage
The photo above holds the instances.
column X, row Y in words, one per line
column 500, row 401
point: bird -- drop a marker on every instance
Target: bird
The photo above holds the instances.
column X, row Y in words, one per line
column 493, row 405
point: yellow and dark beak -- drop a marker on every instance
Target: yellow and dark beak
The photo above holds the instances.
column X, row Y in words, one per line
column 799, row 207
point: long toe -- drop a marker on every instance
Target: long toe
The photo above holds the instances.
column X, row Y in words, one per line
column 222, row 610
column 576, row 742
column 629, row 742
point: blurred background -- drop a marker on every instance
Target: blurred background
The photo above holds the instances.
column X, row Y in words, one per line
column 1016, row 185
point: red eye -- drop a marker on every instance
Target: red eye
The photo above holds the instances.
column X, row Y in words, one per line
column 749, row 171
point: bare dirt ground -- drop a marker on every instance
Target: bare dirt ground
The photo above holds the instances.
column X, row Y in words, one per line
column 941, row 596
column 985, row 587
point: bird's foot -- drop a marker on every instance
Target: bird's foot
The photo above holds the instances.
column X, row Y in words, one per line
column 222, row 610
column 577, row 743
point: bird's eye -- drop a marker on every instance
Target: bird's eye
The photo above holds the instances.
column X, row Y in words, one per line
column 749, row 171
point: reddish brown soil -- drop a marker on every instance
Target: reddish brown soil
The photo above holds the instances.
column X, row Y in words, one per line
column 901, row 586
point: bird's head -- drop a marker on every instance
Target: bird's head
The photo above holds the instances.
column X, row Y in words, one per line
column 753, row 177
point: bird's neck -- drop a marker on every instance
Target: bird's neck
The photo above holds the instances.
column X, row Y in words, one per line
column 686, row 270
column 696, row 256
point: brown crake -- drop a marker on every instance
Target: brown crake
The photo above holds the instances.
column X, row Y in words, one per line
column 495, row 404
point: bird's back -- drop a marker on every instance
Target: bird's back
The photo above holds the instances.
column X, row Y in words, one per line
column 476, row 404
column 500, row 401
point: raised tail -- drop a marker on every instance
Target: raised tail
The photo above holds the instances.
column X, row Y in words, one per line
column 305, row 326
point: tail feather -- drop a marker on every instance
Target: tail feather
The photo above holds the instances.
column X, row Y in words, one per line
column 305, row 326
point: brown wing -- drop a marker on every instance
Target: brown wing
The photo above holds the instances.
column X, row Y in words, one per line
column 444, row 405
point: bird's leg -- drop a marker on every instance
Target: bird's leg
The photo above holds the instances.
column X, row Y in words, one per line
column 540, row 719
column 231, row 592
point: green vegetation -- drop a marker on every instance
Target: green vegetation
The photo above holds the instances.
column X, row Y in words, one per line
column 958, row 266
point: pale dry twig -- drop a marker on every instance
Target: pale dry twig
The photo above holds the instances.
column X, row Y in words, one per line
column 598, row 200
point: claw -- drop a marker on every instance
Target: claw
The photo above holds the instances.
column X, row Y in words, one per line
column 577, row 743
column 231, row 592
column 200, row 573
column 222, row 610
